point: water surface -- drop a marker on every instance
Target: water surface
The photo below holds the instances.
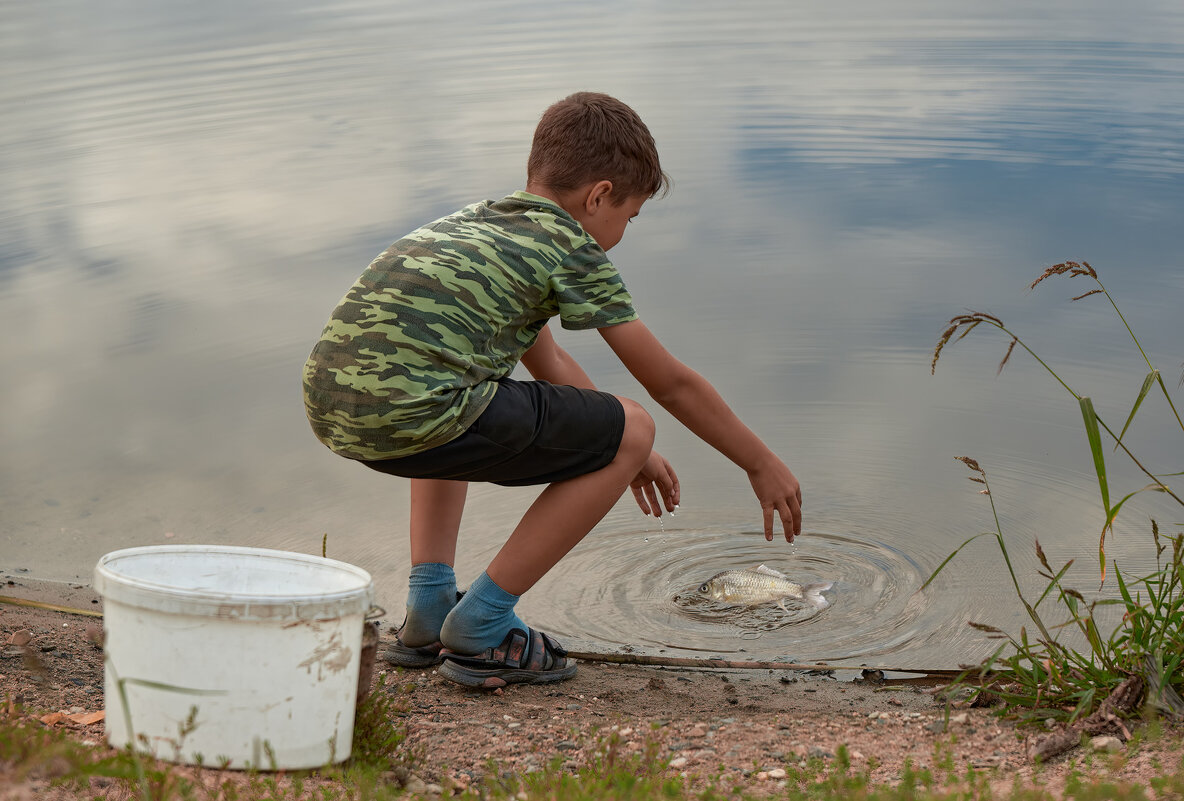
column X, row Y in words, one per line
column 189, row 189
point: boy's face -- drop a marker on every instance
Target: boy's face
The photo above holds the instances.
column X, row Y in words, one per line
column 606, row 222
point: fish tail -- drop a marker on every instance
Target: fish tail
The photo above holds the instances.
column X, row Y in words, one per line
column 812, row 593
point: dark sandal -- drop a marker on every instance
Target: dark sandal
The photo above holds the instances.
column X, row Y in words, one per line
column 522, row 658
column 402, row 655
column 412, row 656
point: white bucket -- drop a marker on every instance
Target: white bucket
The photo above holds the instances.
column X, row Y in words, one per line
column 239, row 656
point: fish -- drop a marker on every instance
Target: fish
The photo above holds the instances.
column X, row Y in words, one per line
column 762, row 584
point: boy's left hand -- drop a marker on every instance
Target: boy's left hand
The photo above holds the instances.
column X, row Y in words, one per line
column 656, row 478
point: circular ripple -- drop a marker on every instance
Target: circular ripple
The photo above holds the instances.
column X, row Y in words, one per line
column 627, row 589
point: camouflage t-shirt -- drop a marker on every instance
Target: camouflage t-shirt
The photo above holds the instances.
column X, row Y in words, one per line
column 411, row 355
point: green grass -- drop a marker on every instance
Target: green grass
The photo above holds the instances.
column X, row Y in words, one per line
column 31, row 751
column 1036, row 675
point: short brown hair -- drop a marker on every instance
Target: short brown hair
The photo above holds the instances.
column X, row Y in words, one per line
column 589, row 137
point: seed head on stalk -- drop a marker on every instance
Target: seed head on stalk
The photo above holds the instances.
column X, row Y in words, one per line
column 967, row 322
column 1073, row 268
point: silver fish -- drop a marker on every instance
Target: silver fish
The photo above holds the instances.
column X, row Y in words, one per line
column 762, row 584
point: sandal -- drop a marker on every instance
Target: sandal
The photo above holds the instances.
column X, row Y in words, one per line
column 412, row 656
column 402, row 655
column 524, row 657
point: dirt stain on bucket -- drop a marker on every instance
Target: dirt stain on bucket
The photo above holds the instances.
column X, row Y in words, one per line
column 333, row 656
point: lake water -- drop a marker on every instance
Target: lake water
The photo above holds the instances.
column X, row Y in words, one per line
column 189, row 188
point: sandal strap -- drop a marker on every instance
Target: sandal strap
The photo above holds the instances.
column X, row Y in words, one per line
column 527, row 650
column 548, row 652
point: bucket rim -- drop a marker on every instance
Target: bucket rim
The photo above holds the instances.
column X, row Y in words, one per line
column 114, row 586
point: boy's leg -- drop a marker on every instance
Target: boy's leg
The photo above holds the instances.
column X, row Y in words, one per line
column 436, row 509
column 558, row 519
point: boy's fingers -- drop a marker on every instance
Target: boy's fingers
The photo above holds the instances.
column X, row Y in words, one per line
column 788, row 521
column 640, row 498
column 675, row 491
column 652, row 494
column 768, row 513
column 793, row 523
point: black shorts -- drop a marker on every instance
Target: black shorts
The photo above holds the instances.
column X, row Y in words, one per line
column 532, row 432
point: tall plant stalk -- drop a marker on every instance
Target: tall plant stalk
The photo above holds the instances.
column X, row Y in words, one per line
column 1094, row 424
column 1045, row 678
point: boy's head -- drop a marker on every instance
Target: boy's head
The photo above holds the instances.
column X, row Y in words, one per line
column 590, row 137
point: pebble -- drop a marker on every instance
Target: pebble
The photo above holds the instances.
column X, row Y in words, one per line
column 960, row 718
column 1106, row 744
column 777, row 773
column 679, row 762
column 820, row 753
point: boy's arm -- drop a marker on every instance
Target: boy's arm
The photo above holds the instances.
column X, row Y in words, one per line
column 656, row 484
column 696, row 404
column 546, row 361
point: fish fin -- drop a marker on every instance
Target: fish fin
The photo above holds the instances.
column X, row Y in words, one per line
column 812, row 594
column 781, row 603
column 768, row 571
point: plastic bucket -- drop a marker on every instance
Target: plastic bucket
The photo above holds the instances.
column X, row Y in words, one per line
column 221, row 655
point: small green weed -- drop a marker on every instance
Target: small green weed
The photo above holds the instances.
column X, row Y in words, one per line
column 32, row 755
column 1040, row 677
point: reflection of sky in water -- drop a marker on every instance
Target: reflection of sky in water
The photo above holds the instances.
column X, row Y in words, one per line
column 189, row 189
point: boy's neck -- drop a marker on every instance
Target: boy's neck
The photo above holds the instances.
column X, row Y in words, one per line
column 564, row 200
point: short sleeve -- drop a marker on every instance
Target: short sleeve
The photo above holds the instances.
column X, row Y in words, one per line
column 589, row 291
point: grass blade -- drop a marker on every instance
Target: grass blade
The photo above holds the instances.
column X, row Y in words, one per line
column 172, row 688
column 1116, row 508
column 946, row 561
column 1147, row 384
column 1054, row 581
column 1095, row 447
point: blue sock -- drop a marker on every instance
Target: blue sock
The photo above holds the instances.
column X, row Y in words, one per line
column 431, row 594
column 482, row 619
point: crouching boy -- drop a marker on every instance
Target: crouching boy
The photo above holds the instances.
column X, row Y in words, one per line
column 411, row 377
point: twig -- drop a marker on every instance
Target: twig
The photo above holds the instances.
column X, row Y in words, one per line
column 1107, row 719
column 70, row 610
column 678, row 661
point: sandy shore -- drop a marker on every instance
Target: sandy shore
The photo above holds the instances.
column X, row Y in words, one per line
column 748, row 724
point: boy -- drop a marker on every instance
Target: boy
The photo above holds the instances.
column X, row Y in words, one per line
column 411, row 377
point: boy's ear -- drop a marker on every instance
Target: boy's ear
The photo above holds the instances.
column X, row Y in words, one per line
column 598, row 195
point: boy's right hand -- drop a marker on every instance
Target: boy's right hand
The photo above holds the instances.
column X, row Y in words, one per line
column 777, row 489
column 655, row 480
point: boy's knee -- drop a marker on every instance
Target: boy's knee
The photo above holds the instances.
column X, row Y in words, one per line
column 638, row 436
